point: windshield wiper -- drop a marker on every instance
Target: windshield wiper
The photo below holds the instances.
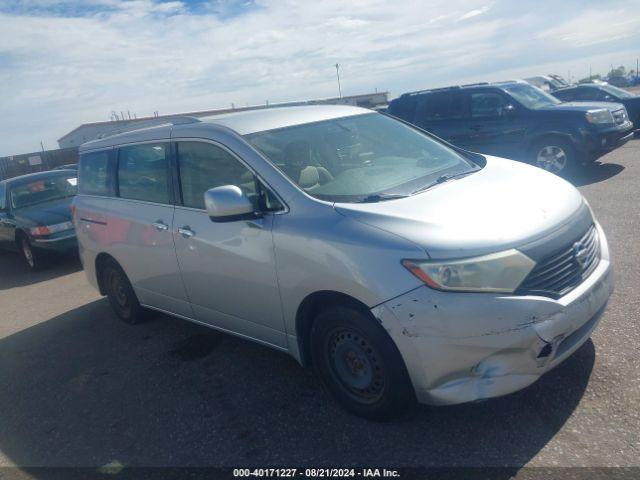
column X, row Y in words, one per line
column 381, row 197
column 443, row 178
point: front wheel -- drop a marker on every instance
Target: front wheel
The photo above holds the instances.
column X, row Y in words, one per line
column 359, row 364
column 30, row 256
column 554, row 155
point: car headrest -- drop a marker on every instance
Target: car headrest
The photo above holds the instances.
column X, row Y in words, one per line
column 309, row 177
column 297, row 152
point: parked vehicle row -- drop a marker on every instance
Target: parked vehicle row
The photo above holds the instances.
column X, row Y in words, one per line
column 399, row 266
column 35, row 215
column 518, row 121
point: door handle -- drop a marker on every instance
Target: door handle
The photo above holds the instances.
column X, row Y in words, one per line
column 186, row 232
column 160, row 226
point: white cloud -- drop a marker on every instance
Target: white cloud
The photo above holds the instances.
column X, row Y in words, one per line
column 63, row 63
column 475, row 13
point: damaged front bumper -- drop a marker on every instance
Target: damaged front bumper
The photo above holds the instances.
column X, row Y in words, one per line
column 461, row 347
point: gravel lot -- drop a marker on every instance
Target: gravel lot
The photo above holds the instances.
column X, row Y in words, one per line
column 77, row 387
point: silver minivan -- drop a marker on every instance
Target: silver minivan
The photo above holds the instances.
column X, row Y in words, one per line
column 399, row 267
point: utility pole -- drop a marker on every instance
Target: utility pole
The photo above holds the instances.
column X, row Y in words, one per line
column 338, row 75
column 44, row 156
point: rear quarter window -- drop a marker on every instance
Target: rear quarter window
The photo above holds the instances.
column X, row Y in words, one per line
column 403, row 107
column 443, row 106
column 93, row 178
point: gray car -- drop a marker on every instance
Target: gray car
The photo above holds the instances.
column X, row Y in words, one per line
column 399, row 267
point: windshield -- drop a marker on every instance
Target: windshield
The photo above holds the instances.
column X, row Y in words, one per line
column 618, row 92
column 358, row 158
column 558, row 81
column 530, row 96
column 42, row 190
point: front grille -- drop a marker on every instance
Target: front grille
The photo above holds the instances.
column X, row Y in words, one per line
column 560, row 272
column 620, row 116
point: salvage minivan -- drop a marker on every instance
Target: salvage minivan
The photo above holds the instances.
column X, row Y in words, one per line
column 396, row 265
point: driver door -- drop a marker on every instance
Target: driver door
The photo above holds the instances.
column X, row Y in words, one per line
column 492, row 129
column 228, row 268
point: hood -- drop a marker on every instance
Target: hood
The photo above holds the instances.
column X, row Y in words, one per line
column 48, row 213
column 584, row 106
column 504, row 205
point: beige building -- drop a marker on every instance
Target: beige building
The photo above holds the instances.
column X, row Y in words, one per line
column 91, row 131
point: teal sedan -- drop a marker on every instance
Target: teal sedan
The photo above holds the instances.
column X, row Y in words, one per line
column 35, row 215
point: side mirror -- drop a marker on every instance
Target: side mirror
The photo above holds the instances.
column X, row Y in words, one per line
column 228, row 203
column 508, row 111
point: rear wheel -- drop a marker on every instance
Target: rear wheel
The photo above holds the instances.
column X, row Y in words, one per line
column 554, row 155
column 120, row 294
column 359, row 364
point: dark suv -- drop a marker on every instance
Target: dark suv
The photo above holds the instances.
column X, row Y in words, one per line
column 603, row 93
column 519, row 121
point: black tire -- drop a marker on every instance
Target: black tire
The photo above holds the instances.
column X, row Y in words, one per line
column 359, row 364
column 120, row 294
column 555, row 155
column 31, row 256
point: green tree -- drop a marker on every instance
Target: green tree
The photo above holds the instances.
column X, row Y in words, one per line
column 617, row 72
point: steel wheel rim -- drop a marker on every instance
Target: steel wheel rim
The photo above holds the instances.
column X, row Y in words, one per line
column 552, row 159
column 116, row 285
column 27, row 252
column 355, row 365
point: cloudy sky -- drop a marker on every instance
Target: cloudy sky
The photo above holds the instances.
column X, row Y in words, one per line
column 67, row 62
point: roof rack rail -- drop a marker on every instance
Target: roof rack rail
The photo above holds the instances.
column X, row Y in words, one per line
column 444, row 89
column 145, row 124
column 429, row 90
column 477, row 84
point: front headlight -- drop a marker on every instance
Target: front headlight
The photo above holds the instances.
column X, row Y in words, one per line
column 599, row 116
column 497, row 272
column 49, row 229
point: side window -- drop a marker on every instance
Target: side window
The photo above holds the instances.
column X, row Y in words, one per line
column 582, row 94
column 565, row 95
column 93, row 173
column 203, row 166
column 604, row 96
column 486, row 105
column 444, row 106
column 143, row 172
column 459, row 106
column 436, row 107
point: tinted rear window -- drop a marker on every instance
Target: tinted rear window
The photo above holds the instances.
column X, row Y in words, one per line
column 403, row 107
column 443, row 106
column 93, row 173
